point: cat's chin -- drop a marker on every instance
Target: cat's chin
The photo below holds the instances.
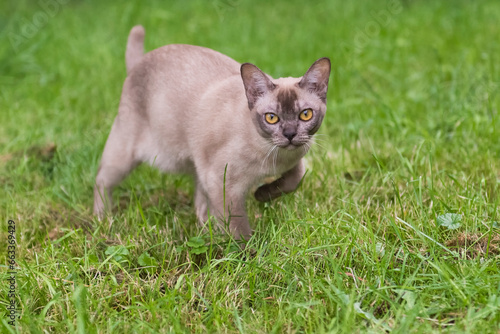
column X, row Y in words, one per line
column 291, row 147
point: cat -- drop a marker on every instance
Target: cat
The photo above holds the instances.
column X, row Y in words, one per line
column 190, row 109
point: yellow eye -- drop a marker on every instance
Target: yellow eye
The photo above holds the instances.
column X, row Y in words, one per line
column 306, row 115
column 271, row 118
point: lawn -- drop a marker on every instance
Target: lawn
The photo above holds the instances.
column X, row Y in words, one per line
column 395, row 227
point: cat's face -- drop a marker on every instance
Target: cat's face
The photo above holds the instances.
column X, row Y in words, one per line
column 287, row 111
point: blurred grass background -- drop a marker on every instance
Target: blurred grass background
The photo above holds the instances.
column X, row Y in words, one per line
column 411, row 134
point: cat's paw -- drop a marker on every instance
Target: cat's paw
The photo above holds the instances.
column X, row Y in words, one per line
column 262, row 194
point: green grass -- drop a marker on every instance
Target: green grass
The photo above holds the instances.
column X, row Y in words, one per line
column 411, row 134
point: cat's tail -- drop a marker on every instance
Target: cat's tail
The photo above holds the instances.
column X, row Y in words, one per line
column 135, row 47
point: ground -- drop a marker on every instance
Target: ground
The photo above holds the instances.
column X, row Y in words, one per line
column 394, row 228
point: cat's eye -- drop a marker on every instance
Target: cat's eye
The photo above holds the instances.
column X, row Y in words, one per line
column 306, row 115
column 271, row 118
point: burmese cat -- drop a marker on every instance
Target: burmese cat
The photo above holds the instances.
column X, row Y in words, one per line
column 193, row 110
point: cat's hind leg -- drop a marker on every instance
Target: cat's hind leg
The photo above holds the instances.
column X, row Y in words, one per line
column 117, row 162
column 287, row 183
column 201, row 204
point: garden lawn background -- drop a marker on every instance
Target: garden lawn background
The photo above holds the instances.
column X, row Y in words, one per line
column 410, row 142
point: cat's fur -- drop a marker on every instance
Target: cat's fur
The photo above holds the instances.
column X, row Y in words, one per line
column 193, row 110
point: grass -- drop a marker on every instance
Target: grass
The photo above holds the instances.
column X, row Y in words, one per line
column 411, row 137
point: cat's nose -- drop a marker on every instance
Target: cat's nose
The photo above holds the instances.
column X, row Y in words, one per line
column 289, row 134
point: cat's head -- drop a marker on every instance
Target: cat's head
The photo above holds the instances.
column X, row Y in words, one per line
column 287, row 111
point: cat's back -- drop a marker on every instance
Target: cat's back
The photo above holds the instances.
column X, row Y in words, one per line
column 176, row 76
column 166, row 89
column 186, row 63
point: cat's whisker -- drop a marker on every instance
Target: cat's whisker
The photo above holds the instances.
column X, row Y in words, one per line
column 311, row 138
column 271, row 149
column 275, row 158
column 306, row 147
column 319, row 145
column 318, row 142
column 317, row 138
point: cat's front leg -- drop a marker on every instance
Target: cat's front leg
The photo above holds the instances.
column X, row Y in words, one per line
column 287, row 183
column 232, row 213
column 227, row 204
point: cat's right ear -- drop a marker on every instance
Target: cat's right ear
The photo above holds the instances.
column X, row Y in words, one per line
column 256, row 83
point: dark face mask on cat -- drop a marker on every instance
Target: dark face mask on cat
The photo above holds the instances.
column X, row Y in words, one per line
column 287, row 111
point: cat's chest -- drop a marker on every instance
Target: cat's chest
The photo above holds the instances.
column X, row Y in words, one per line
column 277, row 161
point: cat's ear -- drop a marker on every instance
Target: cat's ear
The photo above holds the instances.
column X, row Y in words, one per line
column 256, row 83
column 316, row 78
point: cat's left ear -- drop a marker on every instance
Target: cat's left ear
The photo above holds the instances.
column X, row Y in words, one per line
column 256, row 83
column 316, row 78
